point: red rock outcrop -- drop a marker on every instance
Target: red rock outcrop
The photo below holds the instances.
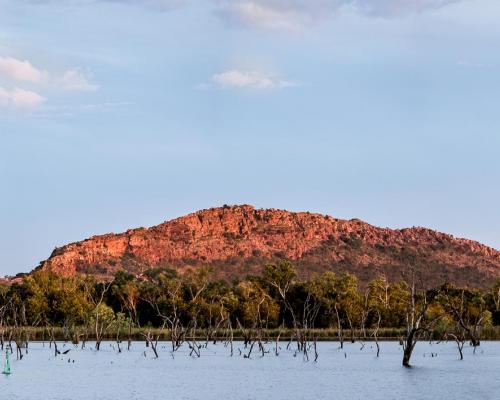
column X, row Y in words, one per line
column 238, row 240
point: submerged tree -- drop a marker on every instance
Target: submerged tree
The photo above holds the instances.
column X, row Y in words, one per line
column 468, row 310
column 126, row 290
column 418, row 319
column 192, row 308
column 101, row 316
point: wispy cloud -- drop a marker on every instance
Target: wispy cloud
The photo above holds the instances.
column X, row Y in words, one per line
column 24, row 71
column 20, row 99
column 264, row 15
column 247, row 80
column 161, row 5
column 297, row 14
column 398, row 8
column 70, row 111
column 470, row 64
column 75, row 80
column 278, row 14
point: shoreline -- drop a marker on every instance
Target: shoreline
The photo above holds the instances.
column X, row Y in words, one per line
column 43, row 334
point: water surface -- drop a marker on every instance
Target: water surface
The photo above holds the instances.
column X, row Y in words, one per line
column 350, row 373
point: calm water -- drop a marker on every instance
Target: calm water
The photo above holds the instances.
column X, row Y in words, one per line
column 339, row 374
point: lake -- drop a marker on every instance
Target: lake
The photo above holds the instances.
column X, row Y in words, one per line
column 350, row 373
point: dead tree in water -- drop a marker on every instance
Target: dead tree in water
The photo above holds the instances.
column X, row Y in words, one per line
column 310, row 313
column 375, row 331
column 191, row 340
column 459, row 338
column 258, row 308
column 120, row 323
column 102, row 317
column 247, row 336
column 167, row 301
column 52, row 337
column 229, row 336
column 128, row 295
column 254, row 335
column 3, row 317
column 340, row 302
column 467, row 309
column 212, row 310
column 152, row 340
column 418, row 321
column 366, row 310
column 379, row 296
column 17, row 332
column 277, row 340
column 280, row 277
column 340, row 332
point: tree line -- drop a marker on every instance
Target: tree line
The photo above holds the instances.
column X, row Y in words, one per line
column 262, row 309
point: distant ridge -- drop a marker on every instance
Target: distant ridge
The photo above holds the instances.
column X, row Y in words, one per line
column 239, row 240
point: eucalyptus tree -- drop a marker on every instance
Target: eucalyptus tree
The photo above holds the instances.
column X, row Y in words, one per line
column 494, row 297
column 101, row 316
column 257, row 310
column 327, row 288
column 214, row 308
column 379, row 302
column 166, row 297
column 349, row 301
column 126, row 289
column 495, row 294
column 280, row 277
column 468, row 308
column 315, row 294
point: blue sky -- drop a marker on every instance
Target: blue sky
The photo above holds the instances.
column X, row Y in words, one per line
column 117, row 114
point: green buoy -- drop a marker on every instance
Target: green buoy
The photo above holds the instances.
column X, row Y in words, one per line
column 6, row 369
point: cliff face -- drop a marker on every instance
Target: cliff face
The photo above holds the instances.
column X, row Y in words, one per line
column 239, row 240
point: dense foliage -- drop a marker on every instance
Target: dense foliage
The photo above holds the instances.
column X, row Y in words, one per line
column 162, row 297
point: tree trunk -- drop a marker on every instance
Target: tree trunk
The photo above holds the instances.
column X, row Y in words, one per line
column 409, row 345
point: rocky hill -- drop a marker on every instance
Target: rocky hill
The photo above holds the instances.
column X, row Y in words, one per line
column 239, row 240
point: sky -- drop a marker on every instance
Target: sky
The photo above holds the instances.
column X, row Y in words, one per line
column 117, row 114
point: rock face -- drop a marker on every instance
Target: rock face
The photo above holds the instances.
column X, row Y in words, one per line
column 239, row 240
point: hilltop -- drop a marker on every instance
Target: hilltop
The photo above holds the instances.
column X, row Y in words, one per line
column 239, row 240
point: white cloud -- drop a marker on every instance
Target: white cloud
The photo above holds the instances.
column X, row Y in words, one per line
column 14, row 71
column 24, row 71
column 20, row 99
column 21, row 70
column 297, row 14
column 249, row 79
column 74, row 80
